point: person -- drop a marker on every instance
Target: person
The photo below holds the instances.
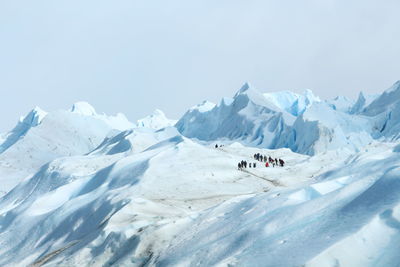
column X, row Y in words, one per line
column 254, row 165
column 255, row 156
column 281, row 162
column 249, row 164
column 276, row 161
column 216, row 145
column 239, row 166
column 245, row 164
column 266, row 164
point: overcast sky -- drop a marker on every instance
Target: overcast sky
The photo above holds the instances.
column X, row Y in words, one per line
column 134, row 56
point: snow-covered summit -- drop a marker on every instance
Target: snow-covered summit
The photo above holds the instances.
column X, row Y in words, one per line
column 204, row 106
column 119, row 121
column 25, row 123
column 291, row 102
column 156, row 121
column 249, row 94
column 246, row 86
column 34, row 117
column 83, row 108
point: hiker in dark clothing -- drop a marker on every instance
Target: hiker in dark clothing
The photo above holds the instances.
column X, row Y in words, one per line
column 245, row 164
column 276, row 162
column 281, row 162
column 255, row 156
column 239, row 166
column 216, row 145
column 254, row 165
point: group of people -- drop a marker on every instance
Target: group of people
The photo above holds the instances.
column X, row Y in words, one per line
column 244, row 164
column 261, row 158
column 269, row 161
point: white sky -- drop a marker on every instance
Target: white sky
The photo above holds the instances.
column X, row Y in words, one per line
column 134, row 56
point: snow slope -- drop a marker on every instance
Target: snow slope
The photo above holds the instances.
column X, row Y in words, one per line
column 130, row 196
column 179, row 203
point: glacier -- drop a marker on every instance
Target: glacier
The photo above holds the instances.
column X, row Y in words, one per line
column 79, row 188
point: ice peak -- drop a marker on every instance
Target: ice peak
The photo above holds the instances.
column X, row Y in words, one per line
column 34, row 117
column 204, row 106
column 158, row 112
column 156, row 120
column 245, row 87
column 359, row 105
column 308, row 93
column 361, row 97
column 83, row 108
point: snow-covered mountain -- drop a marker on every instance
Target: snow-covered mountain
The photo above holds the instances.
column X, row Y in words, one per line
column 40, row 137
column 303, row 123
column 248, row 117
column 156, row 121
column 87, row 189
